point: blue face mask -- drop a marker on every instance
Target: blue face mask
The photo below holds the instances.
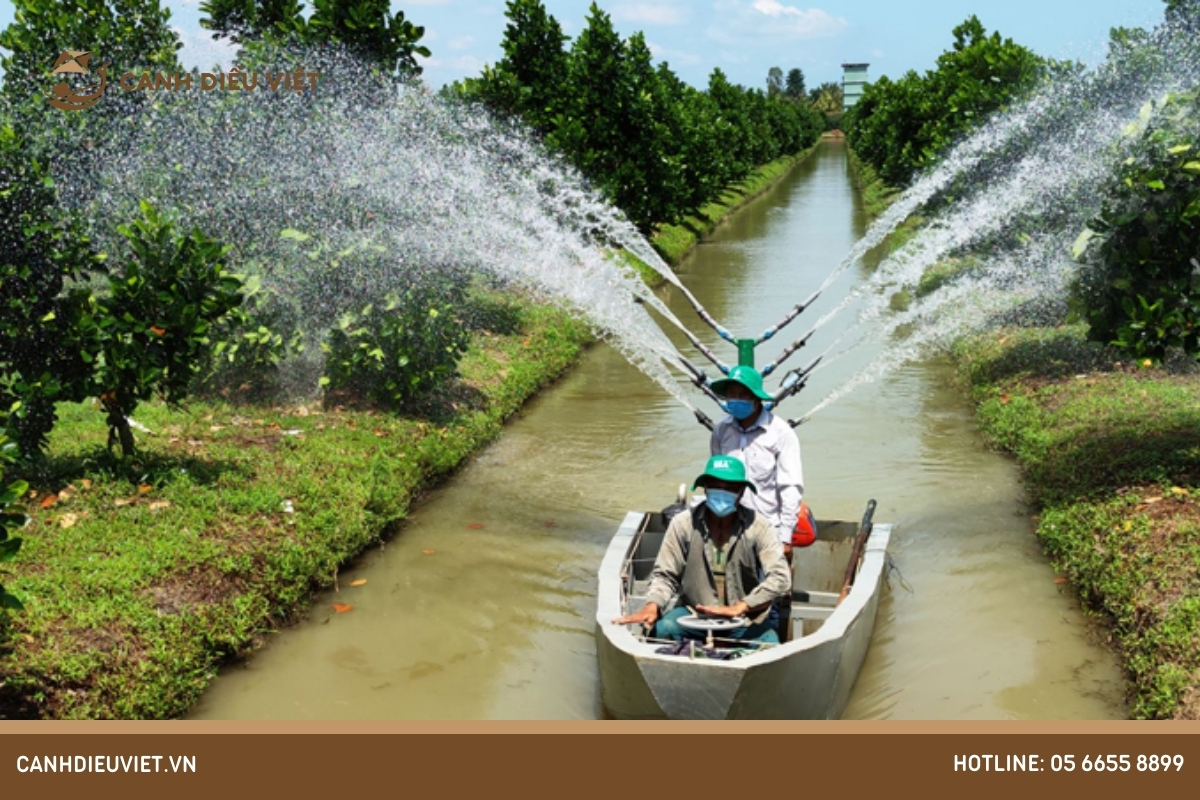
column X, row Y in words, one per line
column 740, row 409
column 720, row 502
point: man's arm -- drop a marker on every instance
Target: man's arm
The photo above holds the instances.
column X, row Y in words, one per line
column 777, row 578
column 790, row 482
column 665, row 579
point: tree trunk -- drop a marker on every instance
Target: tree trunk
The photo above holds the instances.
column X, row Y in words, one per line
column 118, row 430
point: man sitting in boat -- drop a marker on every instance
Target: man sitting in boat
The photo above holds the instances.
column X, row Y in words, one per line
column 721, row 558
column 767, row 445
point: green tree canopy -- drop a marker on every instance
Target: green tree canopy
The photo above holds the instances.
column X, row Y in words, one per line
column 794, row 88
column 774, row 82
column 366, row 28
column 126, row 35
column 902, row 126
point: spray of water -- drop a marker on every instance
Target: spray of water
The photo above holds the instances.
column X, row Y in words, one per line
column 419, row 183
column 1012, row 197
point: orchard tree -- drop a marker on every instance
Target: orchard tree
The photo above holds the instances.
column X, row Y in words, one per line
column 795, row 85
column 126, row 35
column 774, row 82
column 243, row 21
column 528, row 81
column 366, row 28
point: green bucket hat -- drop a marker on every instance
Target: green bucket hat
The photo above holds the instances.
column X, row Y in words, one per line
column 724, row 468
column 746, row 376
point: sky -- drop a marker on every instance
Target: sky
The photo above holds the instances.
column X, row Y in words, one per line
column 745, row 38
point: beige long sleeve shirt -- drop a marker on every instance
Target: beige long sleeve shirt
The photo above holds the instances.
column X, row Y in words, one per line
column 755, row 571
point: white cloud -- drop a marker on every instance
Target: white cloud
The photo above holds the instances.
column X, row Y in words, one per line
column 461, row 43
column 201, row 50
column 744, row 22
column 461, row 65
column 877, row 54
column 650, row 13
column 666, row 54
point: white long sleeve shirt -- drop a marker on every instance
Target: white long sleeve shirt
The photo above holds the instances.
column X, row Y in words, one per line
column 771, row 452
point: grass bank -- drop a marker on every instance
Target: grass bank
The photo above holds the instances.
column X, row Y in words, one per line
column 140, row 578
column 1110, row 451
column 675, row 242
column 876, row 195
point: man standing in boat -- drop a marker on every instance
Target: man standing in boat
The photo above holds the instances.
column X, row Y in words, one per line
column 768, row 447
column 721, row 558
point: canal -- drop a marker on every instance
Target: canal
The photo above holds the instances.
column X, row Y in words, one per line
column 483, row 606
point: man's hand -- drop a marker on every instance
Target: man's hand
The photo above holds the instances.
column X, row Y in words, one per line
column 647, row 616
column 787, row 552
column 738, row 609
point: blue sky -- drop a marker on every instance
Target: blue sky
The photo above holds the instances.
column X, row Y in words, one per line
column 744, row 38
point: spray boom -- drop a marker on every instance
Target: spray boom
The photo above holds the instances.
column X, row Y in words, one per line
column 791, row 315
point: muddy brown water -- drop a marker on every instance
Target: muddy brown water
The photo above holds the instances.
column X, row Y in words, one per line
column 498, row 621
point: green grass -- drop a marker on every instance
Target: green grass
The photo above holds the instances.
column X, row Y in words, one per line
column 1110, row 451
column 153, row 571
column 876, row 195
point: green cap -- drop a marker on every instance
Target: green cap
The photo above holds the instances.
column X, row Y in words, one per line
column 724, row 468
column 746, row 376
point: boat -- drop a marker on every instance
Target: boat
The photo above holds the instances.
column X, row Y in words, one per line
column 835, row 595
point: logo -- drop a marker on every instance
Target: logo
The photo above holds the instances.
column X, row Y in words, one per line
column 75, row 62
column 71, row 99
column 722, row 464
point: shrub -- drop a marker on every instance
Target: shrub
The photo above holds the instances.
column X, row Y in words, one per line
column 45, row 356
column 249, row 346
column 154, row 326
column 394, row 354
column 11, row 517
column 1143, row 294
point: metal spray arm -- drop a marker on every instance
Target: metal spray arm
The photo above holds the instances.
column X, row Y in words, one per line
column 709, row 354
column 700, row 380
column 791, row 315
column 794, row 383
column 792, row 348
column 708, row 318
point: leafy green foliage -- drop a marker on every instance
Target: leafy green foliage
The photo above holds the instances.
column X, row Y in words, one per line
column 827, row 98
column 528, row 81
column 656, row 147
column 127, row 35
column 366, row 28
column 397, row 354
column 153, row 327
column 12, row 517
column 45, row 357
column 794, row 88
column 901, row 127
column 250, row 345
column 1144, row 294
